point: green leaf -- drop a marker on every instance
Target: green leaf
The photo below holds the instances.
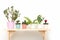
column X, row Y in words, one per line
column 29, row 21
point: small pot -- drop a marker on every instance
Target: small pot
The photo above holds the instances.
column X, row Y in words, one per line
column 24, row 26
column 17, row 25
column 10, row 24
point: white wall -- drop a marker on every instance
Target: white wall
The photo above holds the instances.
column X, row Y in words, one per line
column 50, row 9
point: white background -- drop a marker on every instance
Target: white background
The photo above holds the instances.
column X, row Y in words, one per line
column 50, row 9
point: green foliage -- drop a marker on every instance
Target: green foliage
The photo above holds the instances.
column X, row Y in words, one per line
column 6, row 13
column 15, row 15
column 24, row 22
column 35, row 21
column 17, row 21
column 38, row 20
column 28, row 21
column 13, row 12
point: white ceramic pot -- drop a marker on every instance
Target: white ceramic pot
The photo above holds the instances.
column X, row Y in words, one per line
column 40, row 26
column 32, row 26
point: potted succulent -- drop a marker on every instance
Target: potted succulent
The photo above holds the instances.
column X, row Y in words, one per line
column 17, row 24
column 26, row 22
column 11, row 16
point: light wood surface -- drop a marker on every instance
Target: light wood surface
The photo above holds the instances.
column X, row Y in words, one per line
column 11, row 32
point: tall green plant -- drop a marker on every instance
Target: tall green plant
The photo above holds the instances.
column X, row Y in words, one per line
column 14, row 13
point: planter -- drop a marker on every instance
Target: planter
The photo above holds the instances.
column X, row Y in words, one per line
column 40, row 26
column 10, row 24
column 17, row 25
column 24, row 26
column 32, row 26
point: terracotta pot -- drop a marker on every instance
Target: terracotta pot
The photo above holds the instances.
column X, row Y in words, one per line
column 24, row 26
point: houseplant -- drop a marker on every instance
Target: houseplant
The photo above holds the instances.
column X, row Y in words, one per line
column 11, row 16
column 24, row 25
column 18, row 24
column 26, row 22
column 36, row 23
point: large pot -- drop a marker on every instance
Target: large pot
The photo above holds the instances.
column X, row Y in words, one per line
column 10, row 24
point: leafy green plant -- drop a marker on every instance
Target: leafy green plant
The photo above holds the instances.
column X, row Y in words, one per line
column 17, row 21
column 14, row 13
column 28, row 21
column 38, row 20
column 24, row 22
column 6, row 13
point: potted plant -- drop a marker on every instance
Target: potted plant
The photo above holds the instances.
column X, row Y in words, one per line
column 36, row 22
column 26, row 22
column 17, row 24
column 11, row 16
column 24, row 25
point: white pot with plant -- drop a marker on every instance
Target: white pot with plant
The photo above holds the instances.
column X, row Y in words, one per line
column 11, row 16
column 36, row 23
